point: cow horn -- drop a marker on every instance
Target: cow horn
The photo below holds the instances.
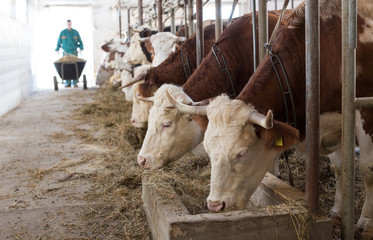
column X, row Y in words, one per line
column 136, row 30
column 261, row 120
column 138, row 78
column 197, row 110
column 144, row 39
column 146, row 99
column 130, row 83
column 180, row 39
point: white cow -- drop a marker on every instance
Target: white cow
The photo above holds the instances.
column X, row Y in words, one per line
column 171, row 133
column 163, row 44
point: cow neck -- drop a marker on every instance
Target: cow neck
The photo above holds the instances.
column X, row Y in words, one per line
column 208, row 81
column 169, row 71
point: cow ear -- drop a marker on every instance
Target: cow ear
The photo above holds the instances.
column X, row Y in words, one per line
column 280, row 137
column 105, row 47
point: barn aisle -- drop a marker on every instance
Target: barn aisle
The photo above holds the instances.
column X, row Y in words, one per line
column 45, row 168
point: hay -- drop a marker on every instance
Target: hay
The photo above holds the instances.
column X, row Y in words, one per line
column 327, row 185
column 69, row 58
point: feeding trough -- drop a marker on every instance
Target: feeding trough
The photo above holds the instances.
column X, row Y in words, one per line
column 279, row 214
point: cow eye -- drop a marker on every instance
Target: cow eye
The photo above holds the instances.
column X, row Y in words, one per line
column 240, row 156
column 166, row 125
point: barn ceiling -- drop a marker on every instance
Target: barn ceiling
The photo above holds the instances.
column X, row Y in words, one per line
column 49, row 3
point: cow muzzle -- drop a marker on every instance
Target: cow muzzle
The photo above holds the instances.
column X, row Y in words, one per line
column 143, row 161
column 138, row 124
column 215, row 206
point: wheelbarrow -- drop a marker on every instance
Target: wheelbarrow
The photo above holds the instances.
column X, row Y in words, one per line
column 69, row 70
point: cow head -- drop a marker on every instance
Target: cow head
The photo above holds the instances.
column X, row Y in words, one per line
column 242, row 144
column 135, row 54
column 163, row 44
column 170, row 133
column 140, row 105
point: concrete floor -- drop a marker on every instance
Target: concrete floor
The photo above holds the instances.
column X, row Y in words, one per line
column 40, row 196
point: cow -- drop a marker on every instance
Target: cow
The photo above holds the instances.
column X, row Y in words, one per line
column 245, row 134
column 170, row 71
column 114, row 51
column 161, row 45
column 164, row 141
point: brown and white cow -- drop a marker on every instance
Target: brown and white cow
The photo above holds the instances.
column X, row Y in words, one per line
column 245, row 134
column 170, row 71
column 114, row 51
column 161, row 46
column 164, row 140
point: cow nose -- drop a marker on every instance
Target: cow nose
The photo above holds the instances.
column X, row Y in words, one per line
column 215, row 206
column 141, row 161
column 133, row 120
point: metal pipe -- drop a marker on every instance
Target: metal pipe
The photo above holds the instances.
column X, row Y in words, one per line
column 186, row 18
column 275, row 4
column 190, row 17
column 173, row 27
column 253, row 2
column 348, row 116
column 120, row 19
column 141, row 19
column 263, row 28
column 128, row 23
column 160, row 20
column 199, row 31
column 312, row 104
column 292, row 4
column 218, row 22
column 365, row 102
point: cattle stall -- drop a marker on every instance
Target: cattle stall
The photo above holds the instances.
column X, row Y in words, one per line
column 153, row 150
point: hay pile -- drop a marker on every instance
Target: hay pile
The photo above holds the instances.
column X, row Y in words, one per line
column 69, row 58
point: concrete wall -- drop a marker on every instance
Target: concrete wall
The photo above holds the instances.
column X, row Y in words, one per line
column 16, row 18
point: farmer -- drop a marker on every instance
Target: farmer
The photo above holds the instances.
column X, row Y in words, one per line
column 70, row 40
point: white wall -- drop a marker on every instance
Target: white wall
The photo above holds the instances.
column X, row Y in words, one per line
column 105, row 27
column 16, row 19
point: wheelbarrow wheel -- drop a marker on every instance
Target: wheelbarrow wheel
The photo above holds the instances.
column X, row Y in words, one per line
column 55, row 83
column 85, row 82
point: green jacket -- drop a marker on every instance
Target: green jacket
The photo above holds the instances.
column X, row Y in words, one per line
column 70, row 41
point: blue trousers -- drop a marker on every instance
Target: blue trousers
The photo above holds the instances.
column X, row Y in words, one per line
column 68, row 82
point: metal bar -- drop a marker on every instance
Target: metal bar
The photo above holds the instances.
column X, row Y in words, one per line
column 232, row 11
column 186, row 18
column 218, row 22
column 190, row 17
column 120, row 19
column 366, row 102
column 128, row 24
column 253, row 2
column 160, row 21
column 312, row 104
column 141, row 19
column 173, row 27
column 263, row 28
column 348, row 116
column 275, row 4
column 199, row 31
column 292, row 3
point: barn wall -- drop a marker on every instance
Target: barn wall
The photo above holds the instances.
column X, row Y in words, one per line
column 16, row 18
column 105, row 27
